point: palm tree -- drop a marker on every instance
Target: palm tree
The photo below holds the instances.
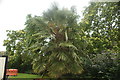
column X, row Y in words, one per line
column 54, row 41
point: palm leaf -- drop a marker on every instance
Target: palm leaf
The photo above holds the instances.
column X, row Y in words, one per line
column 66, row 44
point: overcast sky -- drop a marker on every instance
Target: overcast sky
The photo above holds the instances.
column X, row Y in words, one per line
column 13, row 12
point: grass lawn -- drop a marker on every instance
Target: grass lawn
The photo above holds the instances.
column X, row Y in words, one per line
column 23, row 75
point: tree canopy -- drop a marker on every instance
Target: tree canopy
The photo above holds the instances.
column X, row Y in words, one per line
column 57, row 43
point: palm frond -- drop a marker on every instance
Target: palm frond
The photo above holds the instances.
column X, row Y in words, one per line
column 68, row 44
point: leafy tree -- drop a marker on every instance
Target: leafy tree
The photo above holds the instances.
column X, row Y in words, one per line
column 56, row 42
column 16, row 50
column 101, row 25
column 53, row 42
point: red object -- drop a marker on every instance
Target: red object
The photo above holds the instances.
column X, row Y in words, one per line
column 12, row 72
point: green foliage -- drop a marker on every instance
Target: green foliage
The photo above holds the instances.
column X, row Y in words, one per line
column 56, row 45
column 101, row 26
column 16, row 50
column 53, row 43
column 103, row 65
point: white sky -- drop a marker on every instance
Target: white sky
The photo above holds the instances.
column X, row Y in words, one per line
column 13, row 12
